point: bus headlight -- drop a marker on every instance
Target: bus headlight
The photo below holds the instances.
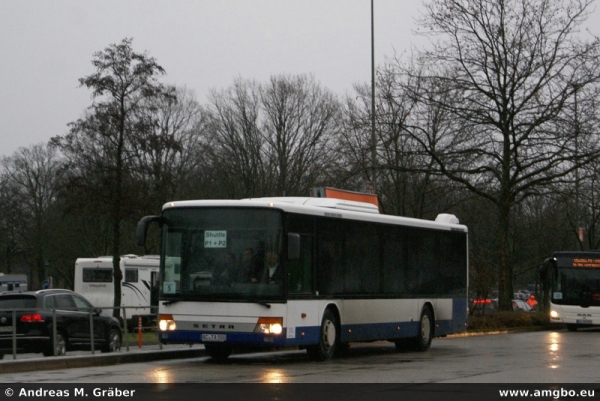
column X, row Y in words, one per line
column 166, row 323
column 269, row 325
column 276, row 328
column 554, row 315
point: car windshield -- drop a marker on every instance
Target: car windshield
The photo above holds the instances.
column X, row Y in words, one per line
column 17, row 302
column 221, row 253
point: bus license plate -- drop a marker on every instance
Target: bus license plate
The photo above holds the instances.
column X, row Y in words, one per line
column 214, row 337
column 583, row 321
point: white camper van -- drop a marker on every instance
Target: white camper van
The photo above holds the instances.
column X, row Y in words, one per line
column 94, row 280
column 13, row 282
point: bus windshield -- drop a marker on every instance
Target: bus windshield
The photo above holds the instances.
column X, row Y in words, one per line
column 221, row 254
column 576, row 286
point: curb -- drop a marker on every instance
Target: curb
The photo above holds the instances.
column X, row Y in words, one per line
column 69, row 362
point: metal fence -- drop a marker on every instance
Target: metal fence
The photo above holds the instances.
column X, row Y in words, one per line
column 137, row 324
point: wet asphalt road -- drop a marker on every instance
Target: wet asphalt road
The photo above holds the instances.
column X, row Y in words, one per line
column 528, row 357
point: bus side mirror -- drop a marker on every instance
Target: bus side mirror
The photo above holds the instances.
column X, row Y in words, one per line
column 142, row 228
column 293, row 246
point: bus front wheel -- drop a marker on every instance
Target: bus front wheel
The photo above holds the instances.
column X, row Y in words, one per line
column 328, row 339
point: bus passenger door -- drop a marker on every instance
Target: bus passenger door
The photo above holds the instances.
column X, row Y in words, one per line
column 154, row 286
column 302, row 310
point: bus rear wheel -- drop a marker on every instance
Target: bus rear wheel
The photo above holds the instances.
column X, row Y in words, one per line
column 328, row 339
column 218, row 353
column 426, row 330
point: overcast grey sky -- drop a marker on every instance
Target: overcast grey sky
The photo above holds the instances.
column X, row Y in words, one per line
column 46, row 46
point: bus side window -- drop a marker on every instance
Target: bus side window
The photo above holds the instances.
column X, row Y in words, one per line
column 299, row 270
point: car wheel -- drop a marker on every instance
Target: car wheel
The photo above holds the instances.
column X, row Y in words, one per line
column 426, row 330
column 328, row 339
column 219, row 353
column 113, row 341
column 60, row 345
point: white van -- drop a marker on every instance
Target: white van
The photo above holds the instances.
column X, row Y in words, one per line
column 94, row 280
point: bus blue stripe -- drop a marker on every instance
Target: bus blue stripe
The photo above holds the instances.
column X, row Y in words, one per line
column 310, row 335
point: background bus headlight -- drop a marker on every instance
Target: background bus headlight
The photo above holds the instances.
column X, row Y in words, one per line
column 269, row 325
column 166, row 323
column 554, row 315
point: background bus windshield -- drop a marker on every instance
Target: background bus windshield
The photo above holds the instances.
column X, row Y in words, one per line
column 222, row 253
column 576, row 281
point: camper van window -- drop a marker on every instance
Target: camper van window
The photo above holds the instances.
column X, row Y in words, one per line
column 131, row 275
column 97, row 275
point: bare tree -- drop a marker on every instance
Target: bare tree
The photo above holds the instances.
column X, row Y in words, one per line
column 578, row 192
column 406, row 182
column 236, row 151
column 580, row 201
column 171, row 149
column 11, row 218
column 271, row 139
column 33, row 174
column 505, row 70
column 300, row 122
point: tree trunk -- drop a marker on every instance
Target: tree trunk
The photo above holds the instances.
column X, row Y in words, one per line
column 505, row 268
column 117, row 274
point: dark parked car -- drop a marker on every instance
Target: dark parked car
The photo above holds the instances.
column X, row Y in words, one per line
column 34, row 321
column 483, row 306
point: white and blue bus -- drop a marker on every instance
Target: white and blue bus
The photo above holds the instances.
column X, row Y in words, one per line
column 343, row 273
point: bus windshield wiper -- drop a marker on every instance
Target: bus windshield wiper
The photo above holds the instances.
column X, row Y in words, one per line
column 256, row 301
column 171, row 301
